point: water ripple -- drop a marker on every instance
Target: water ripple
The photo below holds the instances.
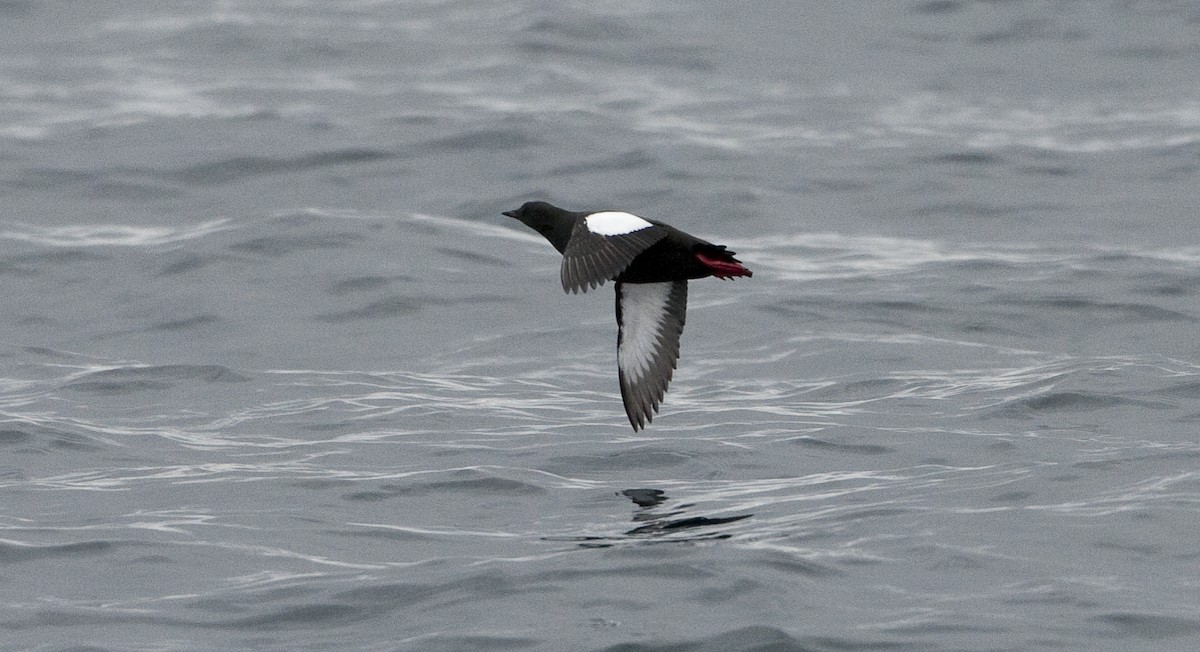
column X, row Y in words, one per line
column 110, row 235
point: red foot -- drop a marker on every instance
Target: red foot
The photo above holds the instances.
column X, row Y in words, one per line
column 723, row 268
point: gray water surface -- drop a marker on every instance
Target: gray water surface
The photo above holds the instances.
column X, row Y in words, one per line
column 275, row 374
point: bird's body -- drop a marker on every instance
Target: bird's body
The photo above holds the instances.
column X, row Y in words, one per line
column 651, row 263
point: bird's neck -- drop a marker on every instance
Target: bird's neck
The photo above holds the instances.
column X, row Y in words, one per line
column 558, row 233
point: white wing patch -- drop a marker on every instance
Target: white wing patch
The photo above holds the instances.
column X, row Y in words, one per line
column 615, row 223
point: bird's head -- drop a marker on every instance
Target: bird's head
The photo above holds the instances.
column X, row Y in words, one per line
column 551, row 221
column 534, row 213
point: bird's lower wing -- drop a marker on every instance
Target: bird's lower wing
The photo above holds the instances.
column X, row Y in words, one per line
column 650, row 318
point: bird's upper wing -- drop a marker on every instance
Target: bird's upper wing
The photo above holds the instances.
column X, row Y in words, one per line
column 650, row 319
column 602, row 245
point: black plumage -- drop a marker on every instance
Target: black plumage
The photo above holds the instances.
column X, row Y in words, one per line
column 651, row 263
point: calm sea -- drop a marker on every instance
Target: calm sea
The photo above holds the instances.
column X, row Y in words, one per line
column 275, row 373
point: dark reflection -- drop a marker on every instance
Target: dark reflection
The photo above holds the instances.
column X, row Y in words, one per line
column 669, row 525
column 646, row 497
column 660, row 523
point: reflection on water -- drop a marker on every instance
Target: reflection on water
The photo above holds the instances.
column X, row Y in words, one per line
column 658, row 526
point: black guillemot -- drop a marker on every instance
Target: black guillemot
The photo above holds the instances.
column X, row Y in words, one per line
column 651, row 263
